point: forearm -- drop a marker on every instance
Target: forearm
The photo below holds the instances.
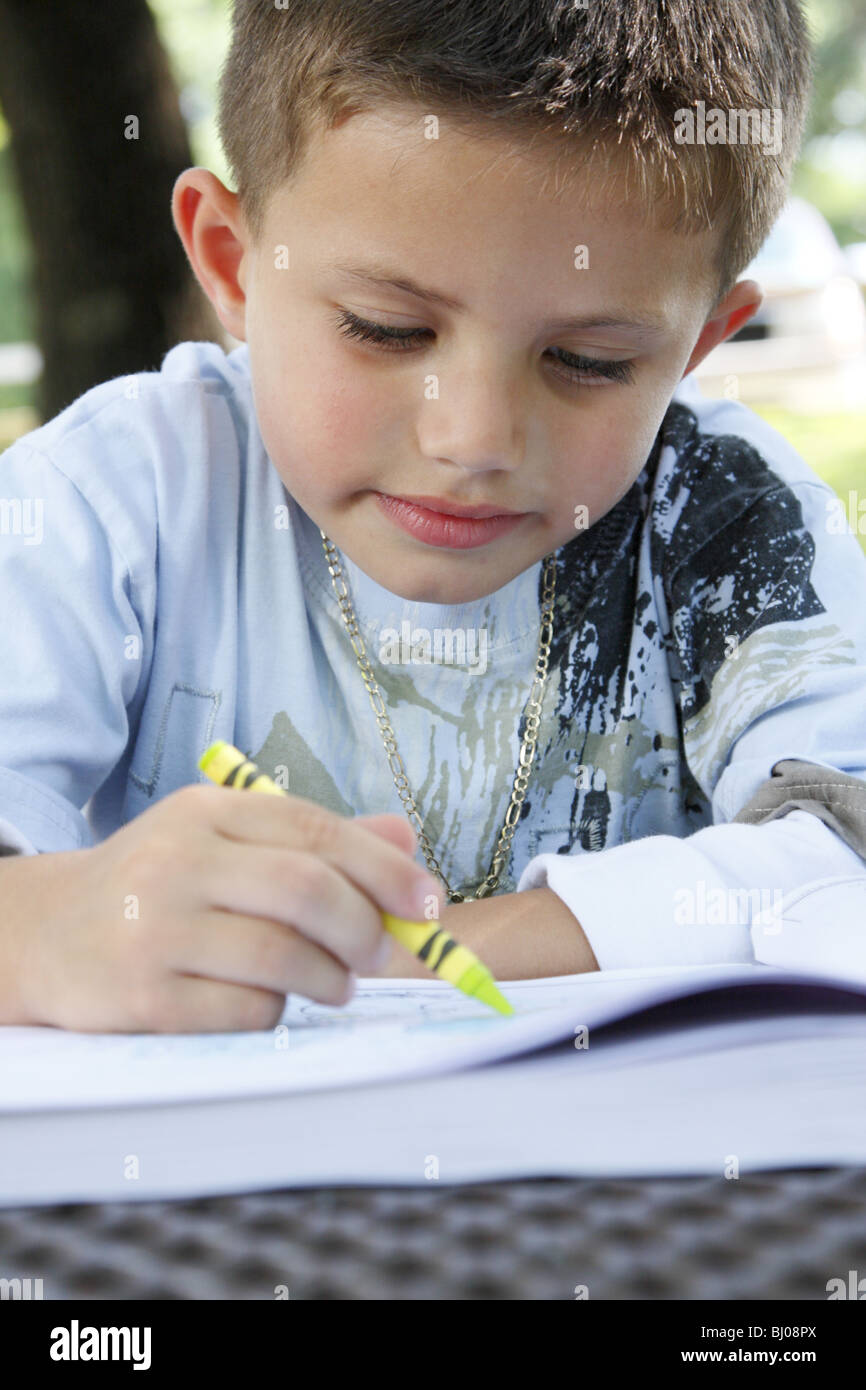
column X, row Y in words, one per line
column 519, row 936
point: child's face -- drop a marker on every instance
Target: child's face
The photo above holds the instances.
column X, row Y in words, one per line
column 481, row 408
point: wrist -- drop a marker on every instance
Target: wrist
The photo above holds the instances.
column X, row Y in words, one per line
column 522, row 936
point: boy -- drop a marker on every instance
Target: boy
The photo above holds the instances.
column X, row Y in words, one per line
column 470, row 258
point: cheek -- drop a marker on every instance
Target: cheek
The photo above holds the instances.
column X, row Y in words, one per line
column 344, row 411
column 604, row 451
column 312, row 406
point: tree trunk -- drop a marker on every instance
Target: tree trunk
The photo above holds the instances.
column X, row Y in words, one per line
column 97, row 142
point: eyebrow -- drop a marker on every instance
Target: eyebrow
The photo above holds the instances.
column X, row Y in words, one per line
column 380, row 275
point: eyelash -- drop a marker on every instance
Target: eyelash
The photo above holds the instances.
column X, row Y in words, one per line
column 392, row 339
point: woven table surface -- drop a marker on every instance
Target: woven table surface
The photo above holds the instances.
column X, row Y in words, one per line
column 779, row 1234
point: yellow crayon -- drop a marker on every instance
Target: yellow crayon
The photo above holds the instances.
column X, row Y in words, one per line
column 450, row 961
column 227, row 766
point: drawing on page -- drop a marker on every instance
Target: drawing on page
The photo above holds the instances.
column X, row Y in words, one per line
column 413, row 1008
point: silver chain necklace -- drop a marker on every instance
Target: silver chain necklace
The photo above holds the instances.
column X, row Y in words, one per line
column 532, row 711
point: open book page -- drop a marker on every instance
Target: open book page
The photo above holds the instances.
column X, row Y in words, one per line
column 391, row 1029
column 689, row 1100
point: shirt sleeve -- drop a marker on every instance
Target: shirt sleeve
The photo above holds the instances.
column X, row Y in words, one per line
column 12, row 841
column 73, row 650
column 782, row 675
column 789, row 893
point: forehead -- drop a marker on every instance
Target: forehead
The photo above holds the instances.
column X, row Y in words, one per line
column 458, row 192
column 405, row 143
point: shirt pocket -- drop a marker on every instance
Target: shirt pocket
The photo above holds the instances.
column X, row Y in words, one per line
column 170, row 742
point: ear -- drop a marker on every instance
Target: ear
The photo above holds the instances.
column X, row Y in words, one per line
column 209, row 223
column 737, row 307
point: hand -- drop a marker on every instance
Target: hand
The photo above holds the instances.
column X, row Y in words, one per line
column 403, row 965
column 205, row 911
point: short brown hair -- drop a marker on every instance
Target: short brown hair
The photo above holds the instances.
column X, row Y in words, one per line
column 592, row 74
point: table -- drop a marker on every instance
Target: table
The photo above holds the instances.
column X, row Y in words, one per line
column 779, row 1234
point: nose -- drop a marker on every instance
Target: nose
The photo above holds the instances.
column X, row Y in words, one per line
column 474, row 417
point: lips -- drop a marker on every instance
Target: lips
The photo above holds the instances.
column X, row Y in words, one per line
column 444, row 529
column 447, row 508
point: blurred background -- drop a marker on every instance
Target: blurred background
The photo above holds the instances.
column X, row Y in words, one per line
column 102, row 106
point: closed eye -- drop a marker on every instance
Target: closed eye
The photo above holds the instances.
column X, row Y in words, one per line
column 598, row 370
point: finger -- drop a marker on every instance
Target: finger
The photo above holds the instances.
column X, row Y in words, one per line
column 388, row 877
column 392, row 828
column 302, row 892
column 189, row 1004
column 266, row 955
column 402, row 965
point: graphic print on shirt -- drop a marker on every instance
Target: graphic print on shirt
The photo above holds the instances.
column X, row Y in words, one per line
column 705, row 618
column 681, row 616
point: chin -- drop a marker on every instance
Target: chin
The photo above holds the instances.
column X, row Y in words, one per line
column 451, row 590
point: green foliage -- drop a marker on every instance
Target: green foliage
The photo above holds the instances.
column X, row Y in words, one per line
column 839, row 37
column 16, row 309
column 196, row 36
column 832, row 444
column 832, row 168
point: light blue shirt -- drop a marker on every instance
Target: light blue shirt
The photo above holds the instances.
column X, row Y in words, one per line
column 160, row 589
